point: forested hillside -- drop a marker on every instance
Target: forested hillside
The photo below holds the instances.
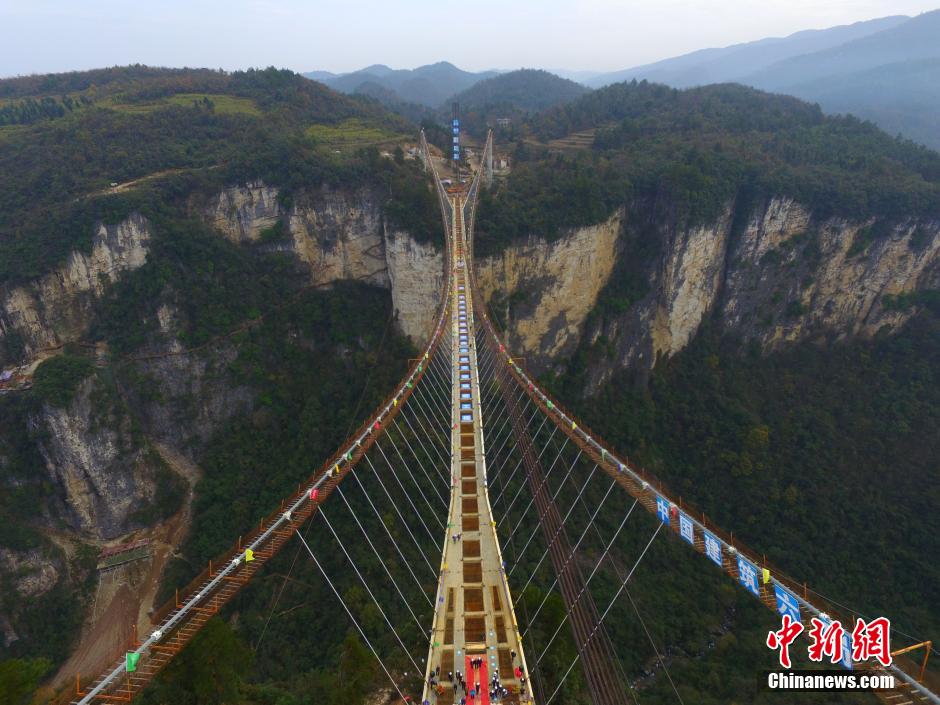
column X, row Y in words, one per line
column 708, row 353
column 514, row 95
column 701, row 149
column 885, row 70
column 186, row 336
column 427, row 86
column 208, row 279
column 178, row 130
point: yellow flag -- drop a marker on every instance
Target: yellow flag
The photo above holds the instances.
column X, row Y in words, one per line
column 249, row 555
column 766, row 576
column 573, row 425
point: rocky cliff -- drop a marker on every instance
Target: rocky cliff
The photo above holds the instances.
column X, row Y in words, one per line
column 546, row 290
column 57, row 308
column 338, row 234
column 95, row 450
column 777, row 275
column 103, row 475
column 335, row 234
column 92, row 468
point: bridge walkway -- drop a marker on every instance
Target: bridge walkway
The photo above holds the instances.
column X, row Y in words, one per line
column 474, row 618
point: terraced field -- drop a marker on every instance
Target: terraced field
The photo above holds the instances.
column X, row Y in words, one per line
column 222, row 104
column 353, row 132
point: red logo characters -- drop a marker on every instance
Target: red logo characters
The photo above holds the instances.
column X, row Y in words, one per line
column 783, row 638
column 829, row 639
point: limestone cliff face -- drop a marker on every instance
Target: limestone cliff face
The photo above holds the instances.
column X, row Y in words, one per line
column 193, row 394
column 27, row 575
column 779, row 276
column 101, row 472
column 338, row 234
column 792, row 278
column 243, row 213
column 33, row 573
column 688, row 282
column 416, row 279
column 546, row 290
column 57, row 307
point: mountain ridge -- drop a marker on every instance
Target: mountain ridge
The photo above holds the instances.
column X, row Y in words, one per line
column 675, row 70
column 882, row 70
column 428, row 85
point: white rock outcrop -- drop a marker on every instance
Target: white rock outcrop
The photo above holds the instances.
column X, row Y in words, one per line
column 557, row 284
column 339, row 234
column 56, row 308
column 785, row 276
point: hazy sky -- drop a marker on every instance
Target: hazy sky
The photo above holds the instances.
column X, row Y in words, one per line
column 39, row 36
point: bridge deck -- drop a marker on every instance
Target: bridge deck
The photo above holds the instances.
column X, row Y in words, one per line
column 474, row 616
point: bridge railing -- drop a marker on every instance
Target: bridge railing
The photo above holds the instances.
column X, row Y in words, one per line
column 474, row 191
column 446, row 214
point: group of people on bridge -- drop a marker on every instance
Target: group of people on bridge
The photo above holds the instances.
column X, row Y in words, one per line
column 471, row 692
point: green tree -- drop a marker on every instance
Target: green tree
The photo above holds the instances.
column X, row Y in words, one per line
column 208, row 672
column 57, row 379
column 19, row 678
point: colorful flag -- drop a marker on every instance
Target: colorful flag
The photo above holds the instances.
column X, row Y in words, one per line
column 130, row 661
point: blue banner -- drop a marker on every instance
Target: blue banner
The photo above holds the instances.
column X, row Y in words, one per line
column 846, row 651
column 747, row 574
column 686, row 530
column 662, row 510
column 713, row 548
column 787, row 603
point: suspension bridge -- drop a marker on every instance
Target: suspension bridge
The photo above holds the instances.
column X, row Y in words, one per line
column 463, row 449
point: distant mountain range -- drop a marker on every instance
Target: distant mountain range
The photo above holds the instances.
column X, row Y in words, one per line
column 427, row 91
column 429, row 85
column 885, row 70
column 734, row 63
